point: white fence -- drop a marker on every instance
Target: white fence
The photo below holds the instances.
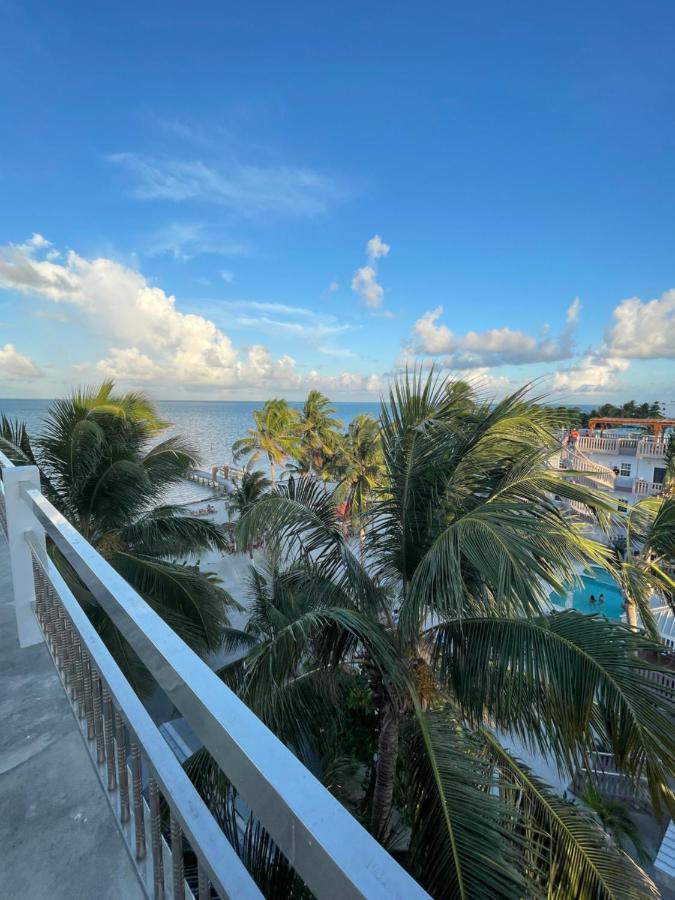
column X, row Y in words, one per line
column 329, row 849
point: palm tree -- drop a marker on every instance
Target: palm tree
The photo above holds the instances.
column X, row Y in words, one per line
column 616, row 820
column 359, row 464
column 252, row 486
column 319, row 433
column 646, row 554
column 447, row 625
column 103, row 466
column 275, row 433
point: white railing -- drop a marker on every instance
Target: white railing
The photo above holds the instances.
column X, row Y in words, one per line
column 664, row 619
column 202, row 476
column 596, row 472
column 647, row 488
column 643, row 447
column 652, row 449
column 599, row 445
column 329, row 849
column 602, row 770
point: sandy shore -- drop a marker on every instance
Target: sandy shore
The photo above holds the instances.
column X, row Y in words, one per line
column 231, row 568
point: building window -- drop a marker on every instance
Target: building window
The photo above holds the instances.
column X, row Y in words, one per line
column 625, row 469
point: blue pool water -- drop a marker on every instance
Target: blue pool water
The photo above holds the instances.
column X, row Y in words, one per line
column 597, row 583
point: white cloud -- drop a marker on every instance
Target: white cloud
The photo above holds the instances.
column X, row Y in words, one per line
column 483, row 380
column 48, row 314
column 333, row 286
column 590, row 373
column 35, row 242
column 150, row 340
column 129, row 363
column 248, row 190
column 376, row 248
column 643, row 330
column 185, row 240
column 364, row 283
column 16, row 365
column 340, row 352
column 228, row 277
column 494, row 347
column 302, row 330
column 275, row 318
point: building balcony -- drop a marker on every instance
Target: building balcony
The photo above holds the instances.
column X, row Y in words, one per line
column 99, row 805
column 643, row 448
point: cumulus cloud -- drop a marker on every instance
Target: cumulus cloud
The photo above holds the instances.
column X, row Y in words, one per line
column 149, row 338
column 376, row 248
column 643, row 330
column 494, row 347
column 590, row 373
column 16, row 365
column 364, row 282
column 129, row 363
column 248, row 190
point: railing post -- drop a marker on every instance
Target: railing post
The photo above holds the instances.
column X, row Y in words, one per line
column 20, row 519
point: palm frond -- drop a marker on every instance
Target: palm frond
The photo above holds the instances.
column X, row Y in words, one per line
column 463, row 837
column 568, row 855
column 189, row 600
column 170, row 532
column 564, row 683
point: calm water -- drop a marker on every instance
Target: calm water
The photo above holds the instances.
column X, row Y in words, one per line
column 212, row 426
column 598, row 583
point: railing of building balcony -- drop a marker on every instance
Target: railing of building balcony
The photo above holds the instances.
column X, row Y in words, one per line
column 652, row 449
column 142, row 779
column 599, row 445
column 645, row 447
column 647, row 488
column 602, row 770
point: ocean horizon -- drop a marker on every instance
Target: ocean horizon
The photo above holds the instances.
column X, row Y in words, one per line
column 212, row 425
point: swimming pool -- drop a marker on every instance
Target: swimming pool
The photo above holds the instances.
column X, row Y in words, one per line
column 599, row 582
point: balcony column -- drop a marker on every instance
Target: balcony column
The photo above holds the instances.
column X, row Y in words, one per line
column 20, row 520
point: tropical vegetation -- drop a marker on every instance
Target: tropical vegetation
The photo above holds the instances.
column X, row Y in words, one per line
column 105, row 465
column 319, row 434
column 645, row 558
column 628, row 410
column 414, row 678
column 275, row 434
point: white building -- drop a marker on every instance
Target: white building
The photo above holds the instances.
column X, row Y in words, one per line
column 628, row 466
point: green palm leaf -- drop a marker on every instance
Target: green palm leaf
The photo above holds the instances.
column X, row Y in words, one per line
column 567, row 854
column 564, row 683
column 463, row 841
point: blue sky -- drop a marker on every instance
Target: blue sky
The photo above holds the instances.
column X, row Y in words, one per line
column 239, row 200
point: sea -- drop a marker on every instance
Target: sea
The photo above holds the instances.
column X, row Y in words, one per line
column 211, row 425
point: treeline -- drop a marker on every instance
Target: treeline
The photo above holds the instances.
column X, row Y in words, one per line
column 628, row 410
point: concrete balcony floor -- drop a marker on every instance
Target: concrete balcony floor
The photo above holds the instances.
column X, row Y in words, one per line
column 58, row 835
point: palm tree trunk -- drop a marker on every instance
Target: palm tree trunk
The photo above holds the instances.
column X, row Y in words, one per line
column 631, row 612
column 387, row 757
column 273, row 473
column 631, row 605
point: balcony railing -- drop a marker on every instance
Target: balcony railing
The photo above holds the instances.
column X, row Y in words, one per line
column 602, row 770
column 647, row 488
column 328, row 848
column 644, row 447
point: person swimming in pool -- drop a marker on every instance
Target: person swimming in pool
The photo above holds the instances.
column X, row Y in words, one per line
column 601, row 598
column 592, row 600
